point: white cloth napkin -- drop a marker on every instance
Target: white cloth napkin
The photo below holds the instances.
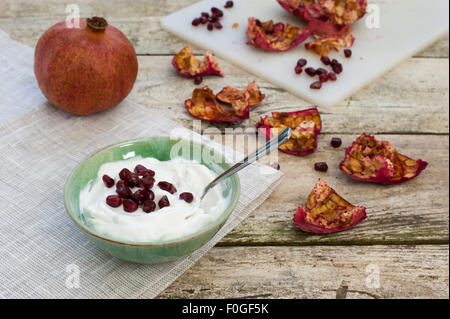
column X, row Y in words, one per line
column 41, row 250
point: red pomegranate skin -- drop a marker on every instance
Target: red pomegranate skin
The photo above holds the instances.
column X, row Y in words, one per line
column 83, row 71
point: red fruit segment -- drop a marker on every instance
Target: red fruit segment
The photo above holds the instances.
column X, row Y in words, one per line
column 321, row 166
column 123, row 174
column 274, row 36
column 230, row 95
column 306, row 126
column 327, row 212
column 316, row 85
column 189, row 66
column 140, row 196
column 148, row 206
column 163, row 202
column 130, row 205
column 370, row 160
column 124, row 192
column 203, row 105
column 336, row 142
column 114, row 200
column 139, row 169
column 108, row 181
column 147, row 181
column 168, row 187
column 339, row 13
column 187, row 197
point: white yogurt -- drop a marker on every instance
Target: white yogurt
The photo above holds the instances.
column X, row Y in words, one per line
column 169, row 223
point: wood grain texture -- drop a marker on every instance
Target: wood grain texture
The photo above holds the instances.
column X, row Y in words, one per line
column 411, row 98
column 316, row 272
column 26, row 20
column 413, row 212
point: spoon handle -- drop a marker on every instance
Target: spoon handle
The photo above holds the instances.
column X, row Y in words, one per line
column 274, row 142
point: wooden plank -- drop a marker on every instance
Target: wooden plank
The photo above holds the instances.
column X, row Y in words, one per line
column 411, row 98
column 414, row 212
column 316, row 272
column 139, row 20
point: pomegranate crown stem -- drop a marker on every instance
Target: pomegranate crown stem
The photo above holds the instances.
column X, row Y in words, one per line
column 97, row 24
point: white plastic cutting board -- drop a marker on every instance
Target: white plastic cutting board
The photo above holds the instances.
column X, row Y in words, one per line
column 405, row 28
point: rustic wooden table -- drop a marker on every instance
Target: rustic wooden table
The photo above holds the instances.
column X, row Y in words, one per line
column 405, row 238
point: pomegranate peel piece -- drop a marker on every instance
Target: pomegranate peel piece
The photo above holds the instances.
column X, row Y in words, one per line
column 370, row 160
column 306, row 126
column 327, row 212
column 230, row 94
column 336, row 12
column 203, row 105
column 189, row 66
column 275, row 36
column 323, row 46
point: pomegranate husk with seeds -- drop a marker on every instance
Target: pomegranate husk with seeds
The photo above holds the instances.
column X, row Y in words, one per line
column 275, row 36
column 187, row 65
column 203, row 105
column 85, row 70
column 327, row 212
column 370, row 160
column 230, row 94
column 336, row 12
column 306, row 126
column 323, row 46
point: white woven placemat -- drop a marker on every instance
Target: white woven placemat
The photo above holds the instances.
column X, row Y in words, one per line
column 41, row 249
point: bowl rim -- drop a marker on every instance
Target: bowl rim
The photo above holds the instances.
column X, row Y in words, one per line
column 186, row 238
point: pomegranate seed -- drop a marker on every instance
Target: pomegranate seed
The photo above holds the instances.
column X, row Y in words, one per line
column 298, row 69
column 336, row 142
column 337, row 68
column 347, row 53
column 270, row 30
column 310, row 71
column 218, row 25
column 124, row 192
column 151, row 195
column 321, row 71
column 210, row 26
column 196, row 22
column 120, row 184
column 302, row 62
column 114, row 200
column 132, row 180
column 108, row 181
column 198, row 79
column 334, row 62
column 130, row 205
column 258, row 23
column 124, row 173
column 148, row 181
column 168, row 187
column 213, row 19
column 323, row 78
column 321, row 166
column 325, row 60
column 332, row 76
column 229, row 4
column 275, row 165
column 140, row 196
column 316, row 85
column 217, row 12
column 205, row 14
column 140, row 169
column 148, row 206
column 147, row 172
column 203, row 20
column 163, row 202
column 187, row 197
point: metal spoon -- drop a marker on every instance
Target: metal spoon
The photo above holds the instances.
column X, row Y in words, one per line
column 276, row 141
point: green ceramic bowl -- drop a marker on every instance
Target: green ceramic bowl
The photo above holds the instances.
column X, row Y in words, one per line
column 159, row 148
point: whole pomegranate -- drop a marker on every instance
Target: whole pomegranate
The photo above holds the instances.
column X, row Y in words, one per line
column 87, row 69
